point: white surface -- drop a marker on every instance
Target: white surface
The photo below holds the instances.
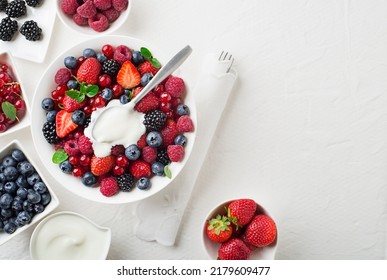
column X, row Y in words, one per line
column 305, row 131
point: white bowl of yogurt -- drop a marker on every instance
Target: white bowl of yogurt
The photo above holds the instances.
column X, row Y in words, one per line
column 46, row 150
column 69, row 236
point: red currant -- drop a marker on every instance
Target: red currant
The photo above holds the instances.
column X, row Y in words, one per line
column 118, row 170
column 165, row 107
column 77, row 171
column 80, row 60
column 20, row 105
column 74, row 160
column 165, row 97
column 117, row 90
column 78, row 134
column 16, row 88
column 88, row 110
column 2, row 117
column 4, row 67
column 3, row 127
column 122, row 161
column 158, row 90
column 108, row 51
column 84, row 160
column 104, row 80
column 5, row 77
column 99, row 102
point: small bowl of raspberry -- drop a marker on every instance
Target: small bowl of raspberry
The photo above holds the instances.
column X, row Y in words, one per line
column 240, row 229
column 14, row 111
column 93, row 17
column 143, row 150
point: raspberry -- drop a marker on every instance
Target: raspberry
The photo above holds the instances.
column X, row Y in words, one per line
column 185, row 124
column 99, row 22
column 111, row 14
column 149, row 154
column 87, row 9
column 140, row 168
column 175, row 152
column 85, row 145
column 109, row 186
column 141, row 143
column 122, row 54
column 117, row 150
column 147, row 67
column 80, row 20
column 69, row 6
column 120, row 5
column 148, row 103
column 103, row 4
column 169, row 132
column 174, row 86
column 71, row 147
column 62, row 76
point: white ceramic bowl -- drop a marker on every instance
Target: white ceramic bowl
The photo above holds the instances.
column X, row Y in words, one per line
column 4, row 237
column 69, row 22
column 69, row 236
column 211, row 247
column 6, row 58
column 73, row 184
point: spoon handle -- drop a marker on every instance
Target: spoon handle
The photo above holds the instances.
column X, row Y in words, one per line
column 164, row 72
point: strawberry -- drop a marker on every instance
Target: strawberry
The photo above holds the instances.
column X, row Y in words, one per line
column 261, row 231
column 219, row 229
column 70, row 104
column 169, row 132
column 64, row 124
column 140, row 168
column 128, row 76
column 89, row 71
column 241, row 211
column 101, row 165
column 250, row 246
column 233, row 249
column 148, row 103
column 147, row 67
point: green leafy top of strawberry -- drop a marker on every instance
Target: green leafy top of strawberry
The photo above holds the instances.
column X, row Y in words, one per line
column 149, row 57
column 219, row 223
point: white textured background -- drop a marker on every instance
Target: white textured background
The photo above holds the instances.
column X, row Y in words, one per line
column 304, row 132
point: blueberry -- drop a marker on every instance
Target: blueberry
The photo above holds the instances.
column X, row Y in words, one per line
column 19, row 199
column 10, row 227
column 34, row 197
column 72, row 84
column 89, row 53
column 16, row 205
column 66, row 167
column 40, row 187
column 23, row 218
column 2, row 178
column 107, row 93
column 127, row 91
column 9, row 161
column 101, row 58
column 1, row 188
column 182, row 109
column 11, row 173
column 143, row 183
column 180, row 140
column 18, row 155
column 10, row 187
column 28, row 206
column 1, row 225
column 137, row 58
column 33, row 179
column 158, row 168
column 38, row 208
column 89, row 179
column 46, row 198
column 145, row 79
column 6, row 213
column 132, row 152
column 5, row 201
column 78, row 117
column 25, row 168
column 124, row 99
column 47, row 104
column 70, row 62
column 51, row 116
column 154, row 139
column 21, row 181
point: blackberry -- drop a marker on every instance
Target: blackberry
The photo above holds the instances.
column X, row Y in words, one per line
column 33, row 3
column 49, row 132
column 87, row 122
column 162, row 156
column 125, row 182
column 8, row 27
column 16, row 8
column 110, row 67
column 31, row 30
column 155, row 120
column 3, row 4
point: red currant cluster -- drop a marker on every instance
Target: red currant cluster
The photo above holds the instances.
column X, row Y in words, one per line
column 13, row 106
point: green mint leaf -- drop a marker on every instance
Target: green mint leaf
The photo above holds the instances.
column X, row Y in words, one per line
column 146, row 53
column 59, row 156
column 9, row 110
column 167, row 172
column 92, row 90
column 75, row 94
column 155, row 62
column 83, row 88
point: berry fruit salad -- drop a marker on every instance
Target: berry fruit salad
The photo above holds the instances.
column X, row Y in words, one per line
column 90, row 80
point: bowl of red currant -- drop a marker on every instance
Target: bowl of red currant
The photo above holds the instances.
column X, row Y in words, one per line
column 161, row 130
column 13, row 109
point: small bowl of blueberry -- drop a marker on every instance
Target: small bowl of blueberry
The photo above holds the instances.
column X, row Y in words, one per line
column 25, row 197
column 93, row 17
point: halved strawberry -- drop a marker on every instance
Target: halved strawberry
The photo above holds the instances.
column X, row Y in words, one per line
column 128, row 76
column 64, row 124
